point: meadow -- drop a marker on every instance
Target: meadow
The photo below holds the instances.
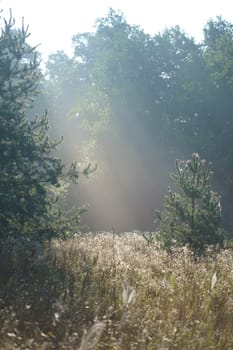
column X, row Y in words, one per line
column 115, row 292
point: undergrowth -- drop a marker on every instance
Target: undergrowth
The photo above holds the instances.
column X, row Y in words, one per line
column 114, row 292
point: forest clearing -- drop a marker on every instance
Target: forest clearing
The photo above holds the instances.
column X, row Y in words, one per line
column 131, row 131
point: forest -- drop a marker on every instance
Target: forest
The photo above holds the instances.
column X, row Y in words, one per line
column 132, row 104
column 116, row 186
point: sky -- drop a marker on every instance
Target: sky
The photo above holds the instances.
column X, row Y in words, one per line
column 52, row 23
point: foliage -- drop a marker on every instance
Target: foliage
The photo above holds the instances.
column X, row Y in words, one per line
column 192, row 215
column 133, row 296
column 28, row 165
column 161, row 96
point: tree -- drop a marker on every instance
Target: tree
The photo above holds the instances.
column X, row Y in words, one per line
column 218, row 53
column 192, row 215
column 160, row 97
column 28, row 167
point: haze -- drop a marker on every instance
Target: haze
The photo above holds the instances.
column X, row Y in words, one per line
column 134, row 169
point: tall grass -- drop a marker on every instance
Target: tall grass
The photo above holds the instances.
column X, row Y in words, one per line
column 119, row 293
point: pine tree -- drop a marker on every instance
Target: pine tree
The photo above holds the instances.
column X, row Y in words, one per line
column 192, row 215
column 27, row 166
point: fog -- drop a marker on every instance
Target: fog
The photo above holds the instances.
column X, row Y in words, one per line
column 123, row 198
column 128, row 185
column 132, row 104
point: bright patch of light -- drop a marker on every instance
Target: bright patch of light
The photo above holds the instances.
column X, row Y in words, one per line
column 52, row 23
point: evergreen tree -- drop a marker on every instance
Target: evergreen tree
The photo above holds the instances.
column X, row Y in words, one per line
column 192, row 215
column 27, row 166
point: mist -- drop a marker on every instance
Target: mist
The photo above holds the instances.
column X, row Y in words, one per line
column 133, row 103
column 124, row 191
column 131, row 178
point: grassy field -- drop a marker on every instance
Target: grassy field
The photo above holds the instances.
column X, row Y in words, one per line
column 115, row 292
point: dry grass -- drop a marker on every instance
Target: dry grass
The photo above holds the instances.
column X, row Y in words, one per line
column 119, row 293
